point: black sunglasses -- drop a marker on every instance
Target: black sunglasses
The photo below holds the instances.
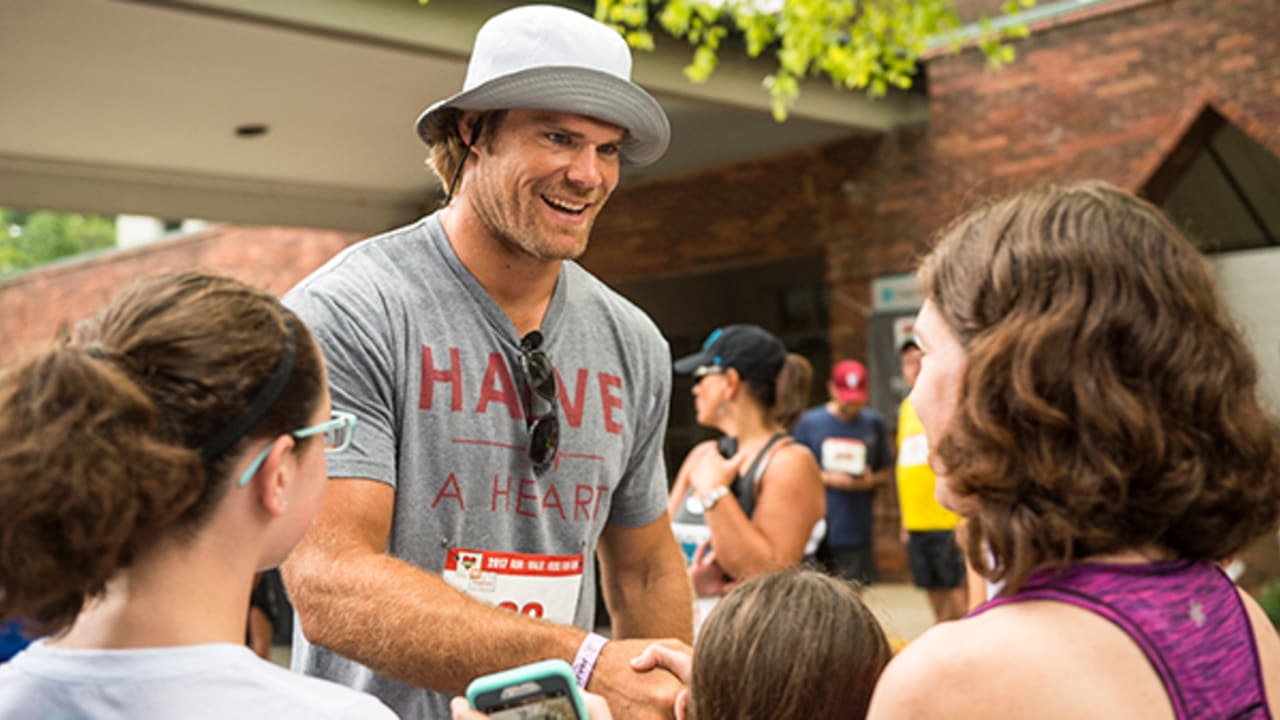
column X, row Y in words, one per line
column 542, row 420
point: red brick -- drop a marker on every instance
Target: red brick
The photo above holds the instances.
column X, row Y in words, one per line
column 1234, row 42
column 1236, row 63
column 1127, row 86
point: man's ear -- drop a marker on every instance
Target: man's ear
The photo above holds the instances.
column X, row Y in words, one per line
column 463, row 123
column 470, row 124
column 271, row 482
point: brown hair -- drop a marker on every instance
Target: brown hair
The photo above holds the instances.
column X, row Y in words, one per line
column 101, row 437
column 792, row 391
column 1108, row 402
column 788, row 644
column 447, row 143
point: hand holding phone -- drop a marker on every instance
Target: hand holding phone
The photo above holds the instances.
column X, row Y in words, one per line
column 537, row 691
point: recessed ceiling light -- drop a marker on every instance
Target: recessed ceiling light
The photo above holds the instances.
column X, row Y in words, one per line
column 252, row 130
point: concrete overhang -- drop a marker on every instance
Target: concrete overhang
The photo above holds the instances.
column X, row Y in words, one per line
column 133, row 105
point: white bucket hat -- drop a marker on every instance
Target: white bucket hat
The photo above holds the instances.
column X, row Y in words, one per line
column 542, row 57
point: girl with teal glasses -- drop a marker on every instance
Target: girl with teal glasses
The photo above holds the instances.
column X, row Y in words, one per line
column 149, row 467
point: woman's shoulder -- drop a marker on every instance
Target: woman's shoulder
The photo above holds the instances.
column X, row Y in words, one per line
column 1019, row 660
column 993, row 665
column 793, row 456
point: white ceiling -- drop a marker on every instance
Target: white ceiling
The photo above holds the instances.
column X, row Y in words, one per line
column 119, row 106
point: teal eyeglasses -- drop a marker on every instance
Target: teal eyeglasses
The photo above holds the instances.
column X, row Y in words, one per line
column 338, row 432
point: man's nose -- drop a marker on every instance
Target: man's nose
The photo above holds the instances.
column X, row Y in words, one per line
column 586, row 168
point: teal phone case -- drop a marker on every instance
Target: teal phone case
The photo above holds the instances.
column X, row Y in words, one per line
column 533, row 672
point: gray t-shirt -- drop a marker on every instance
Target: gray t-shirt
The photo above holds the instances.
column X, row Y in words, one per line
column 432, row 367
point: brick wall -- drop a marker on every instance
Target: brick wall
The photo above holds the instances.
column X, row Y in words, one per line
column 1108, row 96
column 34, row 305
column 750, row 213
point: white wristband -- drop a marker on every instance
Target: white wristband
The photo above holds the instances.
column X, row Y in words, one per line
column 588, row 653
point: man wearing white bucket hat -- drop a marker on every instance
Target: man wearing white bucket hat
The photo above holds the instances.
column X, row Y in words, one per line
column 512, row 407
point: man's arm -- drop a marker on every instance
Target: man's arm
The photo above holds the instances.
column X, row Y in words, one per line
column 789, row 500
column 394, row 617
column 645, row 583
column 647, row 591
column 407, row 623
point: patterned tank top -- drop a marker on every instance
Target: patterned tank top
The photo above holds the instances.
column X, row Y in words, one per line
column 1187, row 618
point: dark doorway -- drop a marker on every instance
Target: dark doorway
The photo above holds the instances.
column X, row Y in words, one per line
column 789, row 299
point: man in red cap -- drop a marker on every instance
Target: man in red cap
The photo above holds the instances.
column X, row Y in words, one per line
column 851, row 445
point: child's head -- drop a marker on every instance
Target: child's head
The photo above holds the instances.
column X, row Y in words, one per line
column 790, row 644
column 126, row 436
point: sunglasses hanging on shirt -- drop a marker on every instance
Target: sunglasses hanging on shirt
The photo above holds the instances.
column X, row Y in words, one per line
column 541, row 419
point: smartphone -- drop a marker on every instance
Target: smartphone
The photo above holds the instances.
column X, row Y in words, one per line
column 543, row 690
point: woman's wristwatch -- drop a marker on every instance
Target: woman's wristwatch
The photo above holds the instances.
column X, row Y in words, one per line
column 712, row 497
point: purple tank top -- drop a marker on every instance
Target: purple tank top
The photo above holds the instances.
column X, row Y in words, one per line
column 1186, row 616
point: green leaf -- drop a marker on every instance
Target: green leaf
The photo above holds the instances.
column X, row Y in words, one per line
column 640, row 40
column 675, row 18
column 1017, row 32
column 704, row 63
column 871, row 44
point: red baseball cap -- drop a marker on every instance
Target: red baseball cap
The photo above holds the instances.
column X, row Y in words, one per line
column 849, row 380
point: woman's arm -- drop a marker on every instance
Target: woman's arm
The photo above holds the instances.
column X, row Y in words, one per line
column 790, row 500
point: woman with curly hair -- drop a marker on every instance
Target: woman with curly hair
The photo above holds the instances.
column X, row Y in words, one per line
column 1094, row 414
column 148, row 469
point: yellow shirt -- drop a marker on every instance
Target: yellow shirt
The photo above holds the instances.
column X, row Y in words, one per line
column 920, row 508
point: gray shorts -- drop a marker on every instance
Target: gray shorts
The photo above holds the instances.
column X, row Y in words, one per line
column 935, row 559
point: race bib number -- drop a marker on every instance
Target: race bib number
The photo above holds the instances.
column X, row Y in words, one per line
column 915, row 451
column 844, row 455
column 541, row 586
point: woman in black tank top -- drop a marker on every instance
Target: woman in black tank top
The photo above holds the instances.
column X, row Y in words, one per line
column 750, row 502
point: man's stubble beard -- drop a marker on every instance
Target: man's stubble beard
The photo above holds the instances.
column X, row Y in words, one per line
column 526, row 238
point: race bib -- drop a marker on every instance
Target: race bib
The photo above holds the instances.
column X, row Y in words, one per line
column 915, row 451
column 844, row 455
column 541, row 586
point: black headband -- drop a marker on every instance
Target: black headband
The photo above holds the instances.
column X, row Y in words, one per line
column 262, row 402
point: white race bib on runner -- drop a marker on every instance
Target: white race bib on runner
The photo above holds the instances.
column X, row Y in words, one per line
column 915, row 451
column 541, row 586
column 844, row 455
